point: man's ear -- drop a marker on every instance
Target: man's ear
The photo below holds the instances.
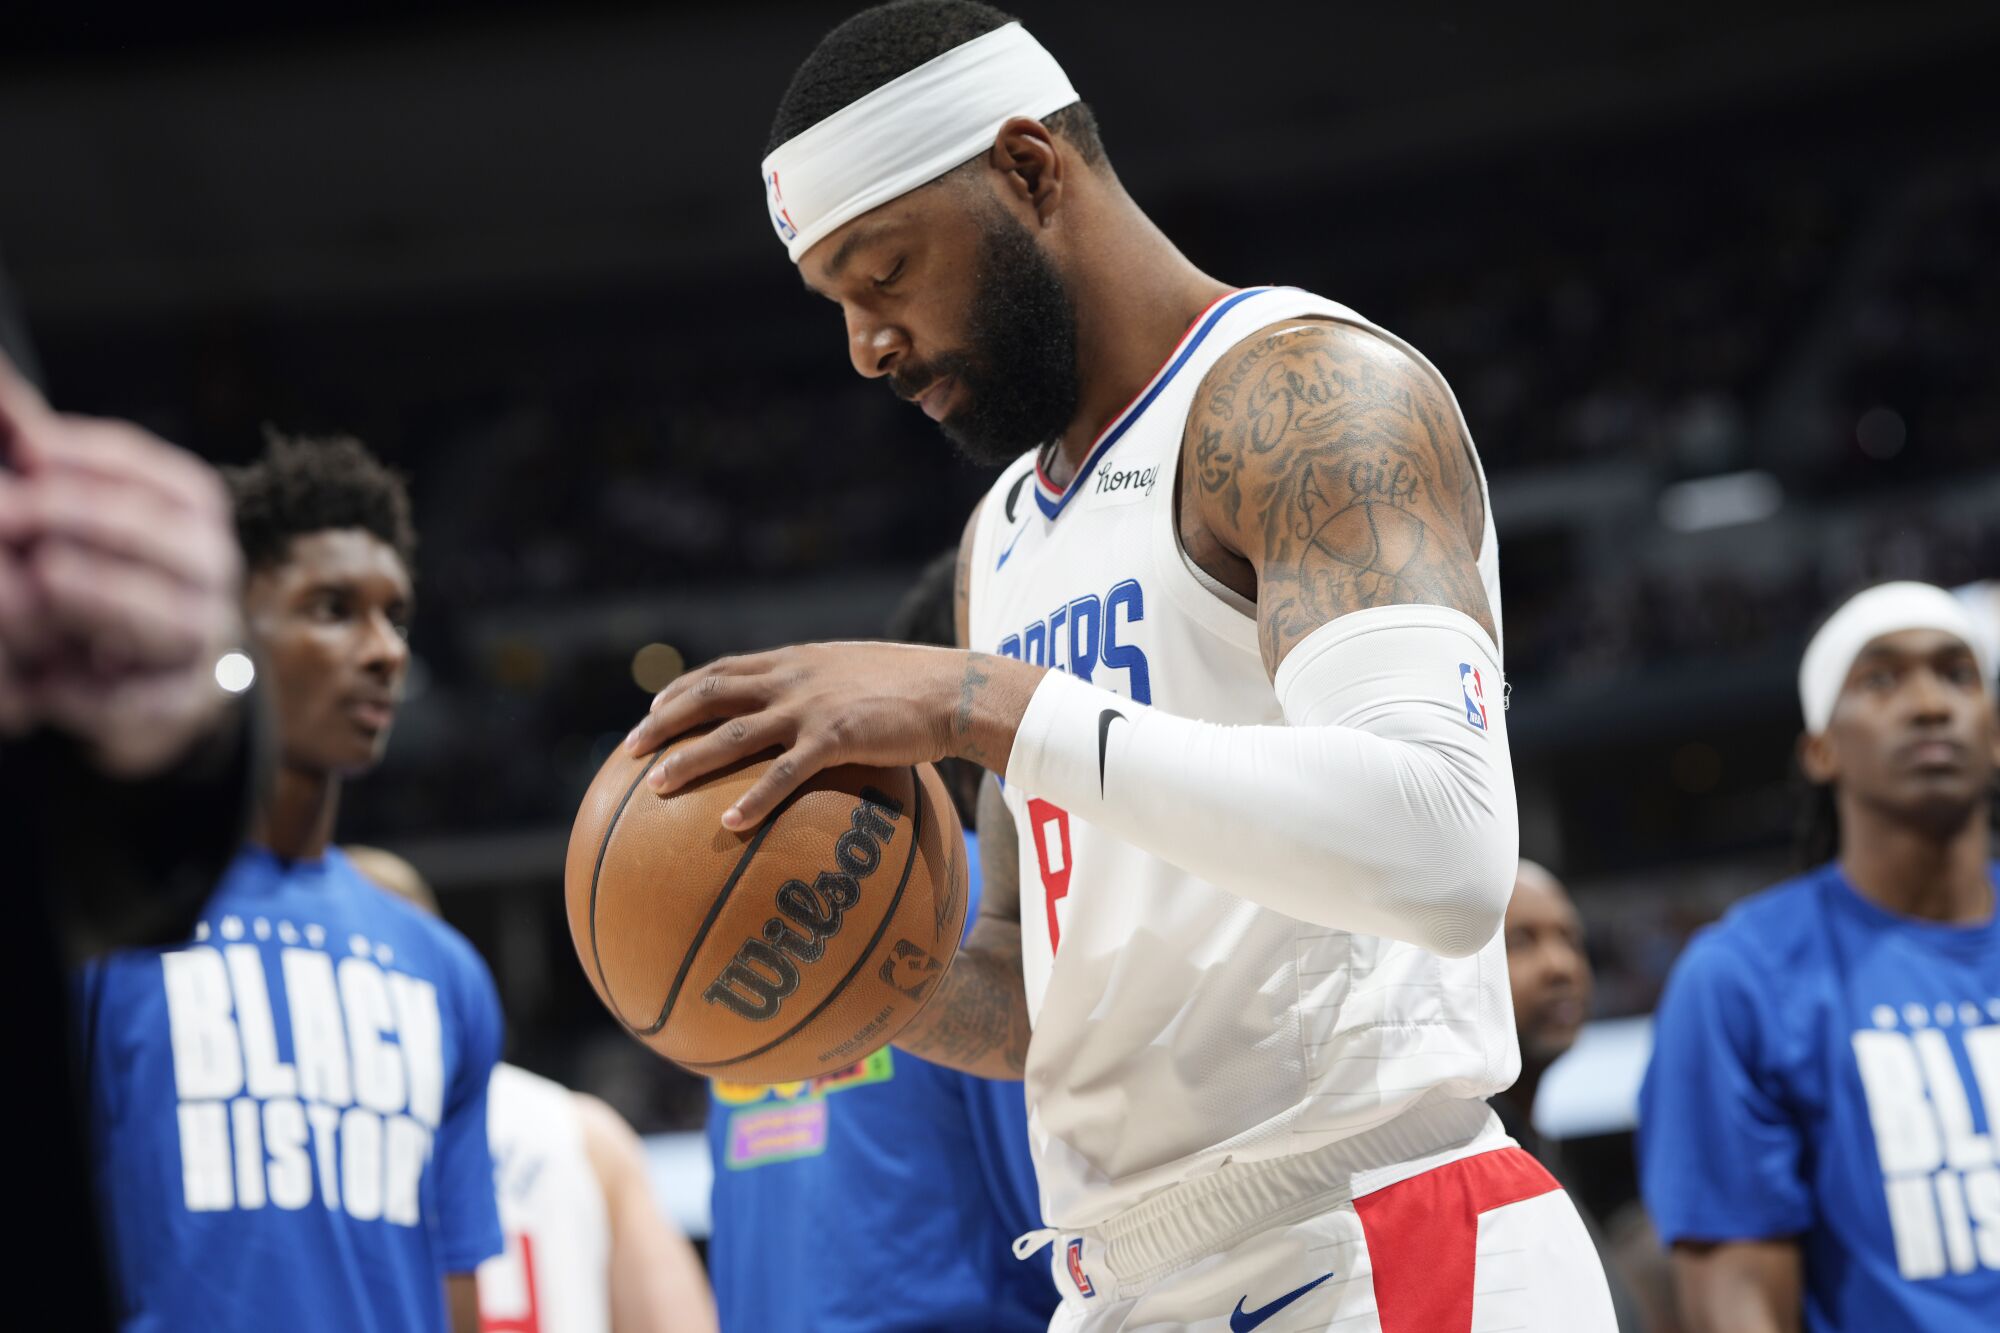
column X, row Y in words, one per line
column 1817, row 759
column 1026, row 153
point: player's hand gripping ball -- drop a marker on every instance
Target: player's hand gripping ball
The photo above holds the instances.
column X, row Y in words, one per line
column 790, row 949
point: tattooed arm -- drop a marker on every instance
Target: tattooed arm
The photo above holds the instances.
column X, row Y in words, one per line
column 977, row 1020
column 1330, row 472
column 1328, row 467
column 826, row 704
column 1326, row 478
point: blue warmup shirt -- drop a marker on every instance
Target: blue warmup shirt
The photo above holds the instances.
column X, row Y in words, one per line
column 1826, row 1070
column 882, row 1198
column 288, row 1114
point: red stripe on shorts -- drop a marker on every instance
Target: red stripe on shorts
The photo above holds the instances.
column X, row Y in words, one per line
column 1423, row 1236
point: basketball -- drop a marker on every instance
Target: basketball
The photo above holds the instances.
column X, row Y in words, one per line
column 786, row 951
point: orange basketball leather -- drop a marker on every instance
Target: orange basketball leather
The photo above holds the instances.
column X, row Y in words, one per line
column 795, row 949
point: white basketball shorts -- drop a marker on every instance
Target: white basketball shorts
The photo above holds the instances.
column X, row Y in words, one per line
column 1483, row 1244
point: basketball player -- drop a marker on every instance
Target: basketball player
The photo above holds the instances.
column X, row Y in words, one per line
column 1817, row 1129
column 588, row 1249
column 927, row 1167
column 288, row 1111
column 1235, row 627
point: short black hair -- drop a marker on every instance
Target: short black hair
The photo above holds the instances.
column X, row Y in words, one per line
column 303, row 486
column 888, row 41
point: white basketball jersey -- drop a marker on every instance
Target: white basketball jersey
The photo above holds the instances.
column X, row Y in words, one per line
column 555, row 1274
column 1178, row 1027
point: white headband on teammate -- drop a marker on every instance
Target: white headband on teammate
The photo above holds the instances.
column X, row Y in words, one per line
column 1889, row 608
column 910, row 131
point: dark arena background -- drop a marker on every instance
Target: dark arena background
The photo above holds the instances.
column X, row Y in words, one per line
column 1714, row 282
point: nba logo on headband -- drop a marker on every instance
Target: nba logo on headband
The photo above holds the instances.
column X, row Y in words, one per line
column 775, row 199
column 910, row 131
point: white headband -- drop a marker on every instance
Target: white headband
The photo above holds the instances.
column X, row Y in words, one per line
column 1888, row 608
column 910, row 131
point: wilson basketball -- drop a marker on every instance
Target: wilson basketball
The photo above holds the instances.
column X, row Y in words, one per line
column 786, row 951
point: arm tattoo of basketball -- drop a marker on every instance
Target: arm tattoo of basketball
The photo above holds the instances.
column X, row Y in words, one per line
column 1335, row 465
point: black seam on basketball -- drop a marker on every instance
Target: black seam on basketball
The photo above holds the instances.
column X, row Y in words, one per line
column 888, row 916
column 715, row 910
column 610, row 829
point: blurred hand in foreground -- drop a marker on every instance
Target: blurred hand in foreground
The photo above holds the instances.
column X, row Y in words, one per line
column 120, row 581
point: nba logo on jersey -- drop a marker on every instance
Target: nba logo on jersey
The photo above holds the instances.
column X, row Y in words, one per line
column 1475, row 694
column 1076, row 1273
column 780, row 219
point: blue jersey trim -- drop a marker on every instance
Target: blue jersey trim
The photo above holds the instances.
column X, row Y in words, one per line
column 1052, row 507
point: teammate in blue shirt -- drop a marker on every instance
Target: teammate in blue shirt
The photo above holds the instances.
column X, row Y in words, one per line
column 288, row 1111
column 883, row 1199
column 1819, row 1128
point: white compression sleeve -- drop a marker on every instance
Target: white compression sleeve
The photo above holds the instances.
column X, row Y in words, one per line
column 1384, row 807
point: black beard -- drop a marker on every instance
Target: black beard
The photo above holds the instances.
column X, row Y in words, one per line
column 1017, row 383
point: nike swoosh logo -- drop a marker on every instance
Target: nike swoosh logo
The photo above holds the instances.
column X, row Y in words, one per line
column 1010, row 548
column 1104, row 721
column 1242, row 1321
